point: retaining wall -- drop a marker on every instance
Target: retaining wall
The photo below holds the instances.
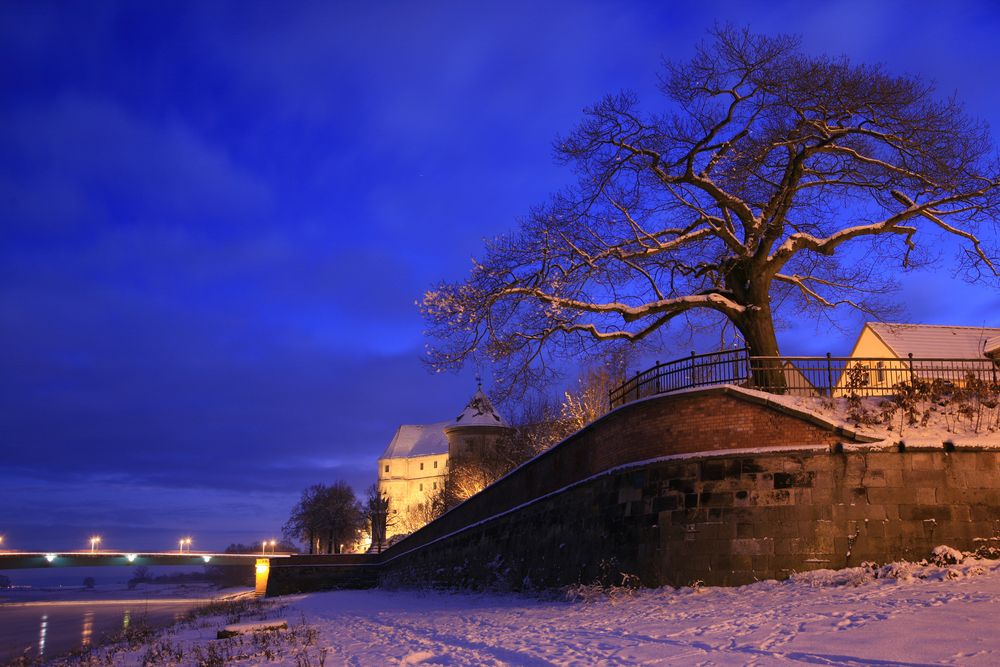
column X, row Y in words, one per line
column 679, row 488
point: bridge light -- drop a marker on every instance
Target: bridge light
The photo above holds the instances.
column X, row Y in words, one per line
column 50, row 557
column 206, row 558
column 94, row 541
column 130, row 557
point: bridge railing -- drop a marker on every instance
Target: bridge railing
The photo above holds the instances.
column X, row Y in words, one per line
column 800, row 376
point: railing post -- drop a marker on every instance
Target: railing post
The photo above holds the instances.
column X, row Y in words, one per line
column 658, row 377
column 829, row 372
column 910, row 357
column 692, row 368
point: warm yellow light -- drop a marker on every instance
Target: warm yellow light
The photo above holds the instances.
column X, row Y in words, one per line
column 263, row 568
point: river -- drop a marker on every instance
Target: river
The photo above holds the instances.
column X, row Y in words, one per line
column 49, row 618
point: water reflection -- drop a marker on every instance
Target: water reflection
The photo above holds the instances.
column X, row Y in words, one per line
column 88, row 629
column 126, row 619
column 42, row 631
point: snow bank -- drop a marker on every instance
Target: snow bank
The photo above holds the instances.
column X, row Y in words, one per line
column 900, row 613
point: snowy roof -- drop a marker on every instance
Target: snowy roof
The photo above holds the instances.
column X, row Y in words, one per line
column 932, row 341
column 993, row 346
column 479, row 412
column 417, row 440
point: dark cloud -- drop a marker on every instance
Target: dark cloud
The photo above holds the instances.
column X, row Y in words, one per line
column 215, row 219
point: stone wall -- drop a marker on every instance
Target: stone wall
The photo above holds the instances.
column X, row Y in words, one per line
column 706, row 420
column 300, row 574
column 718, row 485
column 726, row 520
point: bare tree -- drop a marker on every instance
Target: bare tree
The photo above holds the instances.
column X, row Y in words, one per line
column 773, row 178
column 326, row 517
column 377, row 515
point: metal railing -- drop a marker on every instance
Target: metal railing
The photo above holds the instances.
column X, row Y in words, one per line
column 800, row 376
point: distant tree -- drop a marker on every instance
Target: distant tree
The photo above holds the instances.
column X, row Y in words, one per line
column 377, row 515
column 326, row 518
column 772, row 179
column 88, row 582
column 589, row 400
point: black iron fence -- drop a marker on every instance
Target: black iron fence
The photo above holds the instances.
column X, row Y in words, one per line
column 799, row 376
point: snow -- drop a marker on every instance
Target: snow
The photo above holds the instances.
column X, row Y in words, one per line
column 901, row 613
column 479, row 412
column 413, row 440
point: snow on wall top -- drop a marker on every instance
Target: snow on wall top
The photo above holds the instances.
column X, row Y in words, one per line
column 418, row 440
column 932, row 341
column 479, row 412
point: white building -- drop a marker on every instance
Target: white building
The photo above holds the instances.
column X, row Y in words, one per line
column 413, row 468
column 939, row 351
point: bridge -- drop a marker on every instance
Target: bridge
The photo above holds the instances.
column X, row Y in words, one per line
column 17, row 560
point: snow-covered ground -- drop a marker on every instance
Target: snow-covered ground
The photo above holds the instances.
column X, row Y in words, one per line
column 901, row 614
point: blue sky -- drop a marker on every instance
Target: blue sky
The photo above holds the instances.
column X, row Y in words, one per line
column 215, row 219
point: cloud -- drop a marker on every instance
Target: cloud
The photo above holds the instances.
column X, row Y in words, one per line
column 88, row 161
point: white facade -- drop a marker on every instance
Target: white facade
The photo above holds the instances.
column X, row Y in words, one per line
column 413, row 468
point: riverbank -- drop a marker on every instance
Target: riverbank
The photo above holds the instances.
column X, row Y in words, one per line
column 37, row 624
column 902, row 613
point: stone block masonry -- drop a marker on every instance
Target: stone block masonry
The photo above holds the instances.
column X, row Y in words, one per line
column 720, row 485
column 725, row 520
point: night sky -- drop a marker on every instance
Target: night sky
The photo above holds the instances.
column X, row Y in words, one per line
column 215, row 219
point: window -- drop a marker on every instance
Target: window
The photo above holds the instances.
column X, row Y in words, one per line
column 435, row 464
column 421, row 487
column 387, row 468
column 880, row 371
column 421, row 466
column 435, row 484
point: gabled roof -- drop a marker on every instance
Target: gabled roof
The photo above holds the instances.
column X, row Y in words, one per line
column 417, row 440
column 479, row 412
column 993, row 347
column 933, row 341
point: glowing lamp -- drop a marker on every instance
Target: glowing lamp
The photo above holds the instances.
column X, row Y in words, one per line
column 50, row 557
column 206, row 558
column 130, row 557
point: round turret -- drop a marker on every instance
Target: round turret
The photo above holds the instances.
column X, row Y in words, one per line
column 477, row 431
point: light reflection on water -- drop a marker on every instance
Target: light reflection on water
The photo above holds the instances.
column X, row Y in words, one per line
column 88, row 629
column 65, row 626
column 42, row 631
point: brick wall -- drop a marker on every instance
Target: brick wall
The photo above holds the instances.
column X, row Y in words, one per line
column 713, row 419
column 597, row 505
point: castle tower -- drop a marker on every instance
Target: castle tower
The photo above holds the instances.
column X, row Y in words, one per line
column 477, row 431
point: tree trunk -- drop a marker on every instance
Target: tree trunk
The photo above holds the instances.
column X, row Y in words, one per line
column 757, row 327
column 312, row 543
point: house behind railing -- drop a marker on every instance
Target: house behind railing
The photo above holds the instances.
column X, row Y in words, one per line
column 879, row 362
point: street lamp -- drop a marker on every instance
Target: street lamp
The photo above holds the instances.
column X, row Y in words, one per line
column 184, row 542
column 94, row 541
